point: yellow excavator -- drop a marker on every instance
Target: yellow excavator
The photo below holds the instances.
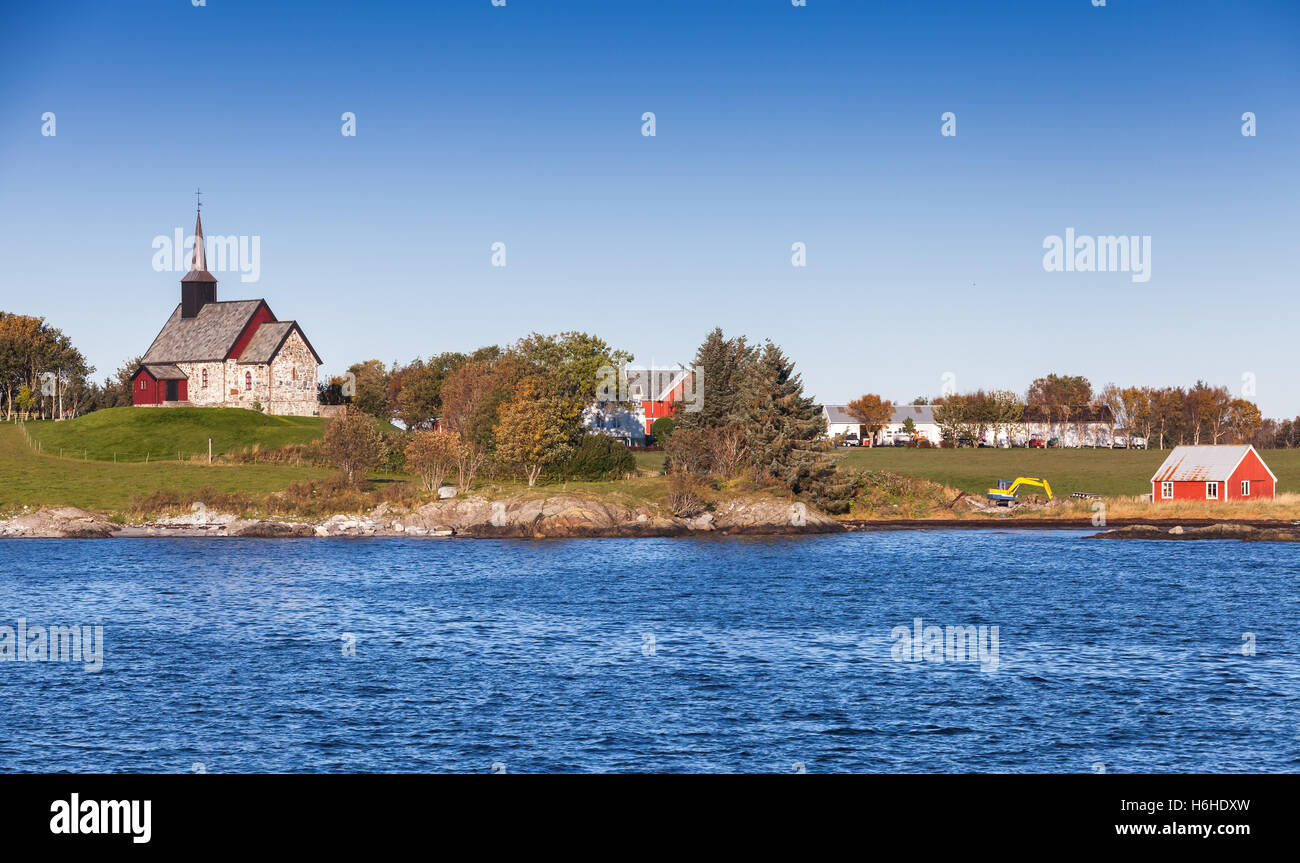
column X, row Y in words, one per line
column 1007, row 489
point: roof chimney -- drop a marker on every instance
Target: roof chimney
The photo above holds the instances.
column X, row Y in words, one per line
column 199, row 287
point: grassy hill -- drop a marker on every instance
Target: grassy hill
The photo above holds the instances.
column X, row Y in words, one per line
column 1101, row 471
column 31, row 479
column 134, row 434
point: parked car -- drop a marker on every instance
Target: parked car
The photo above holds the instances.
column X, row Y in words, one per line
column 1037, row 443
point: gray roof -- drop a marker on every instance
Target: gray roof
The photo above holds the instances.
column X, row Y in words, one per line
column 1202, row 463
column 918, row 413
column 839, row 414
column 266, row 341
column 165, row 372
column 206, row 337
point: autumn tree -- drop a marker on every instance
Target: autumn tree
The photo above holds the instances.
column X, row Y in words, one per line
column 1061, row 398
column 1168, row 409
column 1006, row 413
column 371, row 389
column 566, row 369
column 432, row 456
column 873, row 412
column 1197, row 404
column 353, row 444
column 1244, row 419
column 416, row 389
column 1218, row 409
column 1139, row 410
column 532, row 431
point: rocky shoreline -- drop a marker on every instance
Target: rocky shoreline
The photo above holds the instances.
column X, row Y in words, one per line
column 562, row 516
column 1222, row 530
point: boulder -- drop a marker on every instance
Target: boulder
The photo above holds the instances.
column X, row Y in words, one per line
column 768, row 515
column 269, row 529
column 67, row 522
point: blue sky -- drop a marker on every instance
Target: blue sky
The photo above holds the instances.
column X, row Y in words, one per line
column 775, row 125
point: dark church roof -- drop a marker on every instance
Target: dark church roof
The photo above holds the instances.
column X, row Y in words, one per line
column 206, row 337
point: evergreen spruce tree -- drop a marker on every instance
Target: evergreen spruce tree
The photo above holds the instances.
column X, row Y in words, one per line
column 722, row 365
column 785, row 428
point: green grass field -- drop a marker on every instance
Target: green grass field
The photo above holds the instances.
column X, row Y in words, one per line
column 137, row 434
column 1101, row 471
column 31, row 479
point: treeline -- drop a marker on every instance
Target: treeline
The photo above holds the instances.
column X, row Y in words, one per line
column 1178, row 415
column 1163, row 416
column 517, row 411
column 512, row 411
column 41, row 373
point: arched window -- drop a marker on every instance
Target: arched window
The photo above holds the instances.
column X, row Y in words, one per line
column 294, row 372
column 205, row 379
column 248, row 381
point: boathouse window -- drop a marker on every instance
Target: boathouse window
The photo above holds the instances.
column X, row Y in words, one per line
column 248, row 381
column 1245, row 488
column 142, row 384
column 1166, row 491
column 1211, row 491
column 205, row 379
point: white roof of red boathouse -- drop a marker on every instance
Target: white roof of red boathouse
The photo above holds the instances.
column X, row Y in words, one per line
column 1204, row 463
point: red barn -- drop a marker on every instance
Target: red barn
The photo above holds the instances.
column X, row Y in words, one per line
column 665, row 390
column 1213, row 473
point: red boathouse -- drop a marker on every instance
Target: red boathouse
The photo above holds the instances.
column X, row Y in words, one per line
column 1213, row 473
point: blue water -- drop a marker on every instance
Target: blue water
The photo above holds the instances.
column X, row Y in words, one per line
column 762, row 654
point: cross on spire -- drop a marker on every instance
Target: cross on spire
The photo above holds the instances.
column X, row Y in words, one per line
column 197, row 198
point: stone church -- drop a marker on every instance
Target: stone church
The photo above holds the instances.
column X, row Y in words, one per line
column 230, row 354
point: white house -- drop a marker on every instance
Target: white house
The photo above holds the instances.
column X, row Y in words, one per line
column 627, row 406
column 922, row 417
column 840, row 422
column 1088, row 425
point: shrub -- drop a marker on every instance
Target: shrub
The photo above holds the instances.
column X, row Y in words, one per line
column 662, row 429
column 599, row 457
column 687, row 495
column 353, row 444
column 432, row 455
column 689, row 450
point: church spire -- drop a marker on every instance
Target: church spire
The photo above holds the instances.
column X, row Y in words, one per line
column 199, row 260
column 198, row 287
